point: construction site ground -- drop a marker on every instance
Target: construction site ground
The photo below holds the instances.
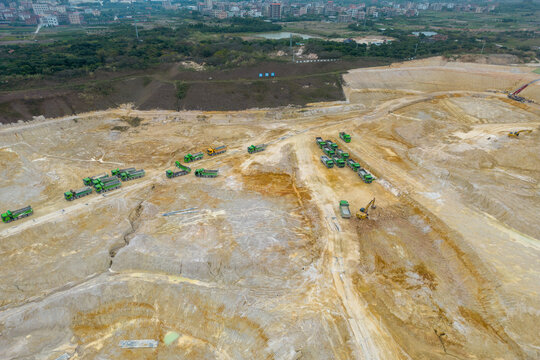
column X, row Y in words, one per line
column 446, row 265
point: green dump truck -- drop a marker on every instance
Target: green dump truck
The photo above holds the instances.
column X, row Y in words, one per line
column 353, row 165
column 338, row 161
column 104, row 180
column 256, row 148
column 364, row 175
column 344, row 155
column 344, row 209
column 320, row 142
column 329, row 163
column 182, row 167
column 332, row 145
column 100, row 188
column 10, row 216
column 193, row 157
column 345, row 137
column 87, row 181
column 117, row 172
column 328, row 151
column 132, row 175
column 75, row 194
column 172, row 174
column 206, row 173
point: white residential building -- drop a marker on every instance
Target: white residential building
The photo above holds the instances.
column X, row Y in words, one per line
column 40, row 9
column 50, row 20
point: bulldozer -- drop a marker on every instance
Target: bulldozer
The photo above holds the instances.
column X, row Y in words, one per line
column 363, row 212
column 516, row 133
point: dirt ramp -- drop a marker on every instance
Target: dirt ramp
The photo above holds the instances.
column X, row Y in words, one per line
column 434, row 308
column 436, row 76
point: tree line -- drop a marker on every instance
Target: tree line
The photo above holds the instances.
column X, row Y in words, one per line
column 120, row 49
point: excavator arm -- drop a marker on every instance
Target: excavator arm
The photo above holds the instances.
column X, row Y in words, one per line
column 516, row 133
column 363, row 213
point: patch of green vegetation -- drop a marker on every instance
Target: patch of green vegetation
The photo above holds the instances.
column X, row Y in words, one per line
column 132, row 121
column 117, row 49
column 537, row 71
column 235, row 25
column 317, row 28
column 190, row 37
column 119, row 128
column 181, row 89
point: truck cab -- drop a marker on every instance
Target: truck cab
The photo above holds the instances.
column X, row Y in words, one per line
column 68, row 195
column 6, row 217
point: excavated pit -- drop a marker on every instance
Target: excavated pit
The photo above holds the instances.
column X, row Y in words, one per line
column 262, row 266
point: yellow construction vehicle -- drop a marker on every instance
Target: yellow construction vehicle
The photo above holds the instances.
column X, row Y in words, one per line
column 363, row 212
column 212, row 151
column 516, row 133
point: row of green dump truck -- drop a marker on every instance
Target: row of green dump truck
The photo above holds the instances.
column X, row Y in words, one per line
column 118, row 172
column 101, row 183
column 363, row 173
column 212, row 151
column 333, row 154
column 105, row 182
column 184, row 170
column 338, row 157
column 87, row 181
column 334, row 160
column 12, row 215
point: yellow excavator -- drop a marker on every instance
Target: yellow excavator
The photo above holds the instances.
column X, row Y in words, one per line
column 516, row 133
column 363, row 212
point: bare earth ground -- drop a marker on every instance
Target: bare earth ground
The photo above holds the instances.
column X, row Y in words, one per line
column 447, row 266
